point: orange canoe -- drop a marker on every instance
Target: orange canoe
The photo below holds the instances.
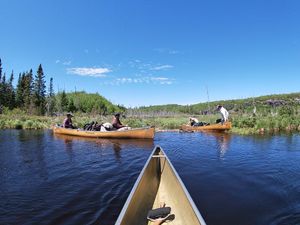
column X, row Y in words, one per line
column 146, row 133
column 212, row 127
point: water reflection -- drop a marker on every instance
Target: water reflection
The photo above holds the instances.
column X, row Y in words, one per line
column 223, row 141
column 116, row 144
column 34, row 156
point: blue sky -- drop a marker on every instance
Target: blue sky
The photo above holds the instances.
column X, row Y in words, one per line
column 150, row 52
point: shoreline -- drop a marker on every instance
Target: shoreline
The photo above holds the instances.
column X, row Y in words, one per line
column 262, row 126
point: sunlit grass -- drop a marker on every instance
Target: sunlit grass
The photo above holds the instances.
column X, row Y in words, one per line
column 242, row 124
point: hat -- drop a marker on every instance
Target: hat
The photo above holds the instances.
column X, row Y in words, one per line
column 70, row 114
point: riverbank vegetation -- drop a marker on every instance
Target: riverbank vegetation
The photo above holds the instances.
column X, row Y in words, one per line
column 31, row 105
column 242, row 124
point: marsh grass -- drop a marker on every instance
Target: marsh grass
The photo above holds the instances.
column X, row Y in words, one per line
column 242, row 124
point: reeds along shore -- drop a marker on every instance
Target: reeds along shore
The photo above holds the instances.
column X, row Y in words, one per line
column 241, row 124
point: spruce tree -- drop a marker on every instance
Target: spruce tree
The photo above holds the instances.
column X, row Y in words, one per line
column 28, row 91
column 3, row 91
column 0, row 69
column 64, row 102
column 40, row 91
column 20, row 91
column 11, row 92
column 50, row 99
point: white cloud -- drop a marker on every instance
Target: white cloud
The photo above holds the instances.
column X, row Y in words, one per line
column 159, row 78
column 67, row 63
column 162, row 67
column 140, row 80
column 86, row 71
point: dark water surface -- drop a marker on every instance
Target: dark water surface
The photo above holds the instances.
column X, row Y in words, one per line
column 234, row 180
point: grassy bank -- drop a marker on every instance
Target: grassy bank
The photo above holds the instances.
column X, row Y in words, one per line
column 242, row 124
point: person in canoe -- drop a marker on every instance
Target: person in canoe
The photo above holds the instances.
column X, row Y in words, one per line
column 193, row 121
column 68, row 123
column 224, row 113
column 116, row 123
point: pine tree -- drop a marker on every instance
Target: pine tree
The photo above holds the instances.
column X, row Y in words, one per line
column 0, row 69
column 40, row 91
column 19, row 92
column 3, row 91
column 71, row 106
column 1, row 88
column 27, row 84
column 64, row 102
column 50, row 99
column 11, row 92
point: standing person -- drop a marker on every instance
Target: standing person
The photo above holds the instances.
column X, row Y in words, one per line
column 224, row 113
column 116, row 121
column 68, row 123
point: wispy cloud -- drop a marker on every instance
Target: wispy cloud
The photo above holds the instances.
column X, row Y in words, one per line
column 141, row 80
column 162, row 67
column 167, row 51
column 67, row 63
column 88, row 71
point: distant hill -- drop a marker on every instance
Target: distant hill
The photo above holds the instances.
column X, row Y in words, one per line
column 247, row 105
column 86, row 103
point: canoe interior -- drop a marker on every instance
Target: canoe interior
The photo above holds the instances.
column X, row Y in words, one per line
column 159, row 183
column 212, row 127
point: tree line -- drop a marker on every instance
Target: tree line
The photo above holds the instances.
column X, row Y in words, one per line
column 29, row 93
column 31, row 96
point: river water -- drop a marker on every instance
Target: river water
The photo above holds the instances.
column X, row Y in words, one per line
column 242, row 180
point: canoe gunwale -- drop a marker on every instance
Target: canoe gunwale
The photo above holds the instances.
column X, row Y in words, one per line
column 199, row 216
column 158, row 149
column 141, row 133
column 135, row 186
column 213, row 127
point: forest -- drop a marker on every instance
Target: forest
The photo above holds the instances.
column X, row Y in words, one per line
column 32, row 97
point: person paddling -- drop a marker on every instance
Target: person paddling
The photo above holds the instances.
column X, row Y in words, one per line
column 68, row 123
column 116, row 121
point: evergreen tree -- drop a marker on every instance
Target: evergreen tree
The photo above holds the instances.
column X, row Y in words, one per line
column 40, row 91
column 50, row 99
column 1, row 88
column 71, row 106
column 20, row 91
column 64, row 102
column 11, row 92
column 3, row 91
column 0, row 69
column 27, row 84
